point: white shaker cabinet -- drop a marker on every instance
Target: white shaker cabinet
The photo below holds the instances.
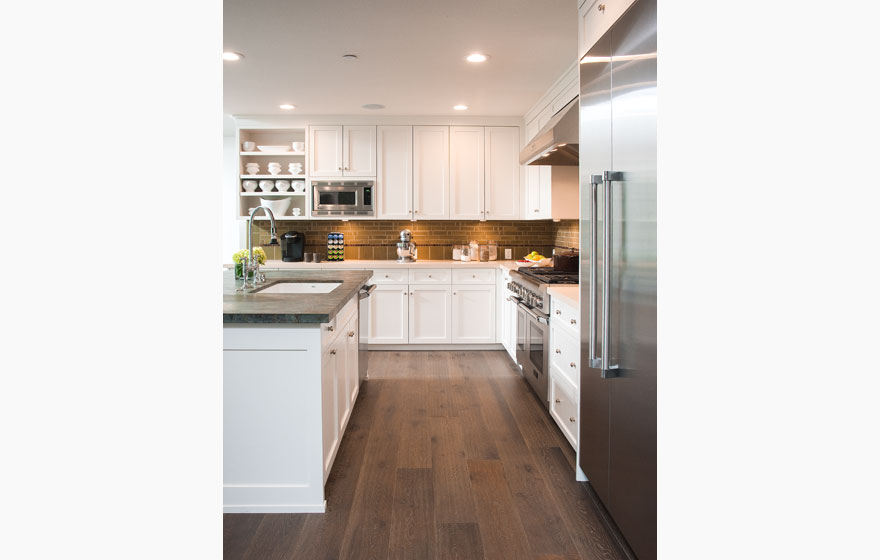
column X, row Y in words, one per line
column 338, row 151
column 429, row 320
column 359, row 151
column 352, row 335
column 431, row 172
column 466, row 172
column 389, row 313
column 329, row 424
column 502, row 172
column 325, row 151
column 595, row 18
column 394, row 179
column 473, row 313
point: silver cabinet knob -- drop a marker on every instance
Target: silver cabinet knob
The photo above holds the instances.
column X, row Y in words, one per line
column 558, row 401
column 574, row 365
column 346, row 168
column 558, row 351
column 558, row 312
column 332, row 352
column 429, row 276
column 350, row 334
column 573, row 322
column 416, row 211
column 386, row 276
column 330, row 328
column 536, row 209
column 339, row 168
column 455, row 293
column 602, row 8
column 572, row 419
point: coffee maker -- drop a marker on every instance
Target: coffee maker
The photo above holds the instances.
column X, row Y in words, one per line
column 406, row 248
column 292, row 246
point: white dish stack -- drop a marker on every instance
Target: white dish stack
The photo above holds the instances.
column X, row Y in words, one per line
column 274, row 168
column 252, row 168
column 295, row 168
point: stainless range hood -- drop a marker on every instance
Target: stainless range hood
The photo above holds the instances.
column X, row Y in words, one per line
column 557, row 142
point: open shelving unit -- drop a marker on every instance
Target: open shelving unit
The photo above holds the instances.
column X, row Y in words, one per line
column 272, row 137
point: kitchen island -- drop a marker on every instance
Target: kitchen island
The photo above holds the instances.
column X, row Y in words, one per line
column 290, row 381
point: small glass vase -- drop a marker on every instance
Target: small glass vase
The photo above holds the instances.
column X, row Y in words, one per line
column 239, row 267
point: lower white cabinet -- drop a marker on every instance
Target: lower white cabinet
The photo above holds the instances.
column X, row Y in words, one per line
column 352, row 334
column 339, row 387
column 429, row 321
column 564, row 405
column 389, row 314
column 473, row 313
column 329, row 426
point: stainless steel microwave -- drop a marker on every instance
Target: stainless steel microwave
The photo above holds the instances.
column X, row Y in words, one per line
column 342, row 198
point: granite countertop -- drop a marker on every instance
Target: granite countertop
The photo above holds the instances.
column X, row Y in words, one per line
column 240, row 307
column 370, row 264
column 568, row 294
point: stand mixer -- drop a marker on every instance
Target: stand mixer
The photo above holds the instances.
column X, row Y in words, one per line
column 406, row 248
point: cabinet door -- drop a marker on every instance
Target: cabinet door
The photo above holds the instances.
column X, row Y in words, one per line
column 359, row 151
column 595, row 18
column 352, row 335
column 394, row 177
column 389, row 310
column 329, row 427
column 466, row 172
column 325, row 151
column 343, row 400
column 429, row 314
column 473, row 314
column 502, row 173
column 431, row 172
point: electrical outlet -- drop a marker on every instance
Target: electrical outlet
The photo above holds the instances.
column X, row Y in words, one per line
column 508, row 254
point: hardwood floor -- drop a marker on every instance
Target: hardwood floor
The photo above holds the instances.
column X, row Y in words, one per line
column 447, row 455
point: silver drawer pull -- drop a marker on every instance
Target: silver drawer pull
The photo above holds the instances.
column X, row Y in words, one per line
column 602, row 8
column 350, row 334
column 572, row 419
column 558, row 401
column 558, row 312
column 386, row 276
column 573, row 322
column 330, row 328
column 574, row 365
column 332, row 352
column 558, row 351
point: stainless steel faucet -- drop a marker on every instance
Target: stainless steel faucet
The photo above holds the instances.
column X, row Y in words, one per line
column 252, row 264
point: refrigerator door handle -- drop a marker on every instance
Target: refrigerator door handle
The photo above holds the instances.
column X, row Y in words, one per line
column 595, row 181
column 608, row 370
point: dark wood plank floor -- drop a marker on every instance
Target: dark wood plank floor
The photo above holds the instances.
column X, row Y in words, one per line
column 447, row 455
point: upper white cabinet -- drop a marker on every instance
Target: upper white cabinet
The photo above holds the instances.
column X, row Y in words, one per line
column 431, row 172
column 466, row 172
column 339, row 151
column 595, row 18
column 325, row 151
column 394, row 179
column 502, row 173
column 359, row 151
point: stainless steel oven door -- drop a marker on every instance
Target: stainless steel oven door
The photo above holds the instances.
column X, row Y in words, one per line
column 532, row 342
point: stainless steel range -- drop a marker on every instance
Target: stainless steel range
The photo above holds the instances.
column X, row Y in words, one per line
column 533, row 322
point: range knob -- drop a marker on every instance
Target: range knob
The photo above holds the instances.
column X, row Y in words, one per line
column 539, row 301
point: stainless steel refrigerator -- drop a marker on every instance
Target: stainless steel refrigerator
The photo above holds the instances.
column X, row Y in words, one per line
column 617, row 443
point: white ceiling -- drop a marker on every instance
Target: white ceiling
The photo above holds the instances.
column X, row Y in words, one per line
column 411, row 55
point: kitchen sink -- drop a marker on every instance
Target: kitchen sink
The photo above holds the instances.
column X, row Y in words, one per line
column 300, row 288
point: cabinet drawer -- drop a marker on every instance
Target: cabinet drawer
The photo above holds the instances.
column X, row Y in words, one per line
column 430, row 276
column 565, row 316
column 390, row 276
column 564, row 406
column 348, row 311
column 565, row 353
column 474, row 276
column 330, row 331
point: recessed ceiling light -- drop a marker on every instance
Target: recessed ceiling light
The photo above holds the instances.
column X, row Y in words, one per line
column 460, row 107
column 373, row 106
column 349, row 57
column 229, row 55
column 476, row 57
column 287, row 106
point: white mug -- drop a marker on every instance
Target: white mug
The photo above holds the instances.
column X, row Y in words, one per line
column 249, row 146
column 298, row 146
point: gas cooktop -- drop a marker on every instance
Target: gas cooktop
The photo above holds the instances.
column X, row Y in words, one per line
column 545, row 276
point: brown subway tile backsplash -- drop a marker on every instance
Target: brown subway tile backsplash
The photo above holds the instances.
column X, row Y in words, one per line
column 376, row 239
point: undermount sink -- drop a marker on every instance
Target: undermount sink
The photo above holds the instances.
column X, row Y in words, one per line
column 300, row 288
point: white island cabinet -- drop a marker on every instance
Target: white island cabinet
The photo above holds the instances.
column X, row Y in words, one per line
column 288, row 393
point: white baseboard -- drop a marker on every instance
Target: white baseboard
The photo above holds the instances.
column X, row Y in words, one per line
column 423, row 347
column 277, row 509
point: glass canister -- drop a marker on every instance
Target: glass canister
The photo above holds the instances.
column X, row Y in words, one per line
column 493, row 250
column 465, row 253
column 456, row 252
column 484, row 253
column 475, row 250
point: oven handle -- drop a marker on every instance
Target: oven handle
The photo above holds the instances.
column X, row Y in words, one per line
column 533, row 314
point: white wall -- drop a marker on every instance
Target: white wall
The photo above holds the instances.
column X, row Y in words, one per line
column 234, row 234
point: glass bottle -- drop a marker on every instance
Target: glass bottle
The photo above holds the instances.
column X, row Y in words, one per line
column 456, row 252
column 493, row 250
column 484, row 253
column 465, row 253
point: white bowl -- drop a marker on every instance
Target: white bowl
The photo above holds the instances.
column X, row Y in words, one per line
column 266, row 185
column 277, row 204
column 253, row 170
column 282, row 185
column 298, row 146
column 298, row 186
column 249, row 185
column 249, row 146
column 274, row 149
